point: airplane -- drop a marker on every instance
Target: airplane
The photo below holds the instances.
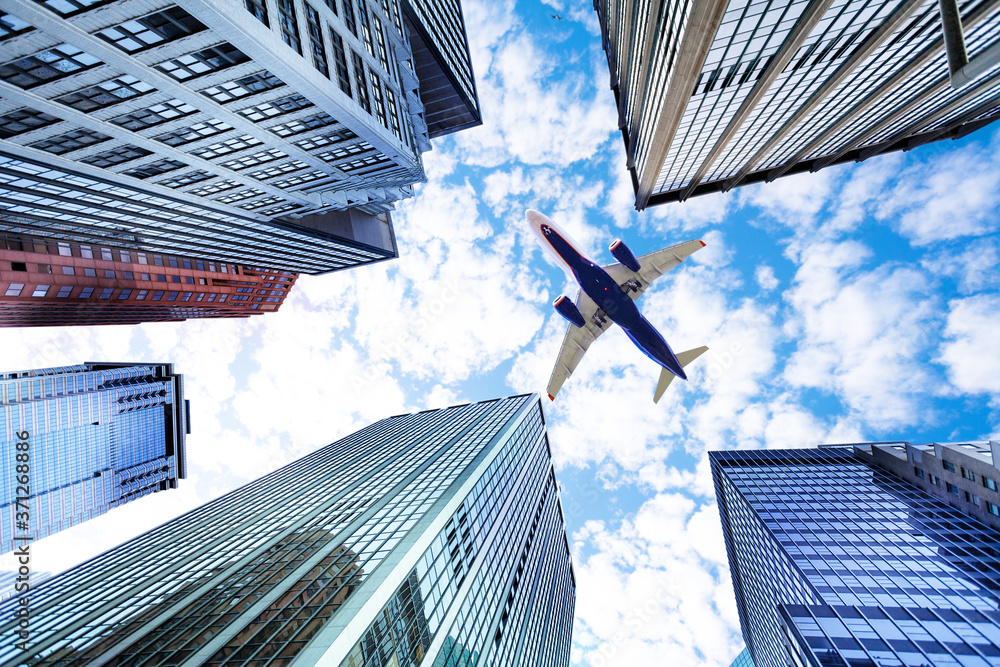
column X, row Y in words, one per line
column 606, row 296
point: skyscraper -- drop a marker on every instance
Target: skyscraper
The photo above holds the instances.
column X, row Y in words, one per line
column 715, row 94
column 99, row 435
column 443, row 65
column 423, row 539
column 46, row 282
column 743, row 659
column 838, row 562
column 257, row 133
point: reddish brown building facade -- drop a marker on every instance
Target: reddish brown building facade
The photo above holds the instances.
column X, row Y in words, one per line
column 46, row 282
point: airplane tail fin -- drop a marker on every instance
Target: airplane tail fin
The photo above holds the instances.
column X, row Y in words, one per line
column 666, row 377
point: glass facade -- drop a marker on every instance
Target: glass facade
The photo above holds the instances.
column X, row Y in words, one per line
column 837, row 562
column 99, row 435
column 743, row 659
column 426, row 538
column 771, row 87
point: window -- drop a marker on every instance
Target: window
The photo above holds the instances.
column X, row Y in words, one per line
column 68, row 271
column 934, row 479
column 126, row 293
column 259, row 10
column 189, row 280
column 154, row 115
column 230, row 145
column 359, row 80
column 316, row 41
column 167, row 25
column 948, row 465
column 70, row 141
column 45, row 268
column 141, row 296
column 248, row 85
column 40, row 290
column 90, row 273
column 340, row 60
column 248, row 161
column 175, row 279
column 11, row 26
column 106, row 292
column 240, row 195
column 157, row 295
column 301, row 125
column 289, row 24
column 108, row 273
column 144, row 276
column 154, row 168
column 64, row 292
column 992, row 509
column 349, row 17
column 172, row 296
column 18, row 266
column 212, row 59
column 377, row 98
column 72, row 7
column 116, row 156
column 366, row 33
column 275, row 108
column 188, row 178
column 46, row 66
column 969, row 498
column 393, row 113
column 142, row 258
column 125, row 255
column 160, row 278
column 86, row 252
column 187, row 296
column 186, row 135
column 86, row 292
column 989, row 483
column 968, row 474
column 128, row 275
column 24, row 120
column 952, row 489
column 106, row 94
column 215, row 188
column 64, row 249
column 14, row 289
column 332, row 4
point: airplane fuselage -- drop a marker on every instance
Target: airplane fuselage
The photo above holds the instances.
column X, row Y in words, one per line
column 609, row 297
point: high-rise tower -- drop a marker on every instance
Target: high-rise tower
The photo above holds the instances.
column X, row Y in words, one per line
column 837, row 562
column 424, row 539
column 271, row 133
column 98, row 435
column 713, row 94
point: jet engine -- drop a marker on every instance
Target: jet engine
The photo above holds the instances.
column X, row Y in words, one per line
column 568, row 309
column 624, row 256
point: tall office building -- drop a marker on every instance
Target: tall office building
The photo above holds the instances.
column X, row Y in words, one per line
column 270, row 133
column 432, row 539
column 838, row 562
column 99, row 435
column 743, row 659
column 46, row 283
column 443, row 65
column 713, row 94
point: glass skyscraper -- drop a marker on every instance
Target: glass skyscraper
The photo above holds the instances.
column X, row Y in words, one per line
column 99, row 435
column 434, row 538
column 742, row 660
column 714, row 94
column 837, row 562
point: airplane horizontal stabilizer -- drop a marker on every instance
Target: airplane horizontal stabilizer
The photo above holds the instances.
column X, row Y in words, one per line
column 666, row 377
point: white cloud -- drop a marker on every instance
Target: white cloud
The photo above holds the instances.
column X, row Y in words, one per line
column 951, row 195
column 765, row 277
column 970, row 351
column 655, row 589
column 860, row 334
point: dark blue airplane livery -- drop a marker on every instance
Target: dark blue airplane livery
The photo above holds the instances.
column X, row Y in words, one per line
column 608, row 293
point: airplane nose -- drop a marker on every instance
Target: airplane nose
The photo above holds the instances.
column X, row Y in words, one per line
column 534, row 217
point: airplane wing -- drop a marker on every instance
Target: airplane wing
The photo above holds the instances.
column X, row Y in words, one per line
column 576, row 341
column 652, row 266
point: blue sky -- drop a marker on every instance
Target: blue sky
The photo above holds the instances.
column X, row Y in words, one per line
column 857, row 303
